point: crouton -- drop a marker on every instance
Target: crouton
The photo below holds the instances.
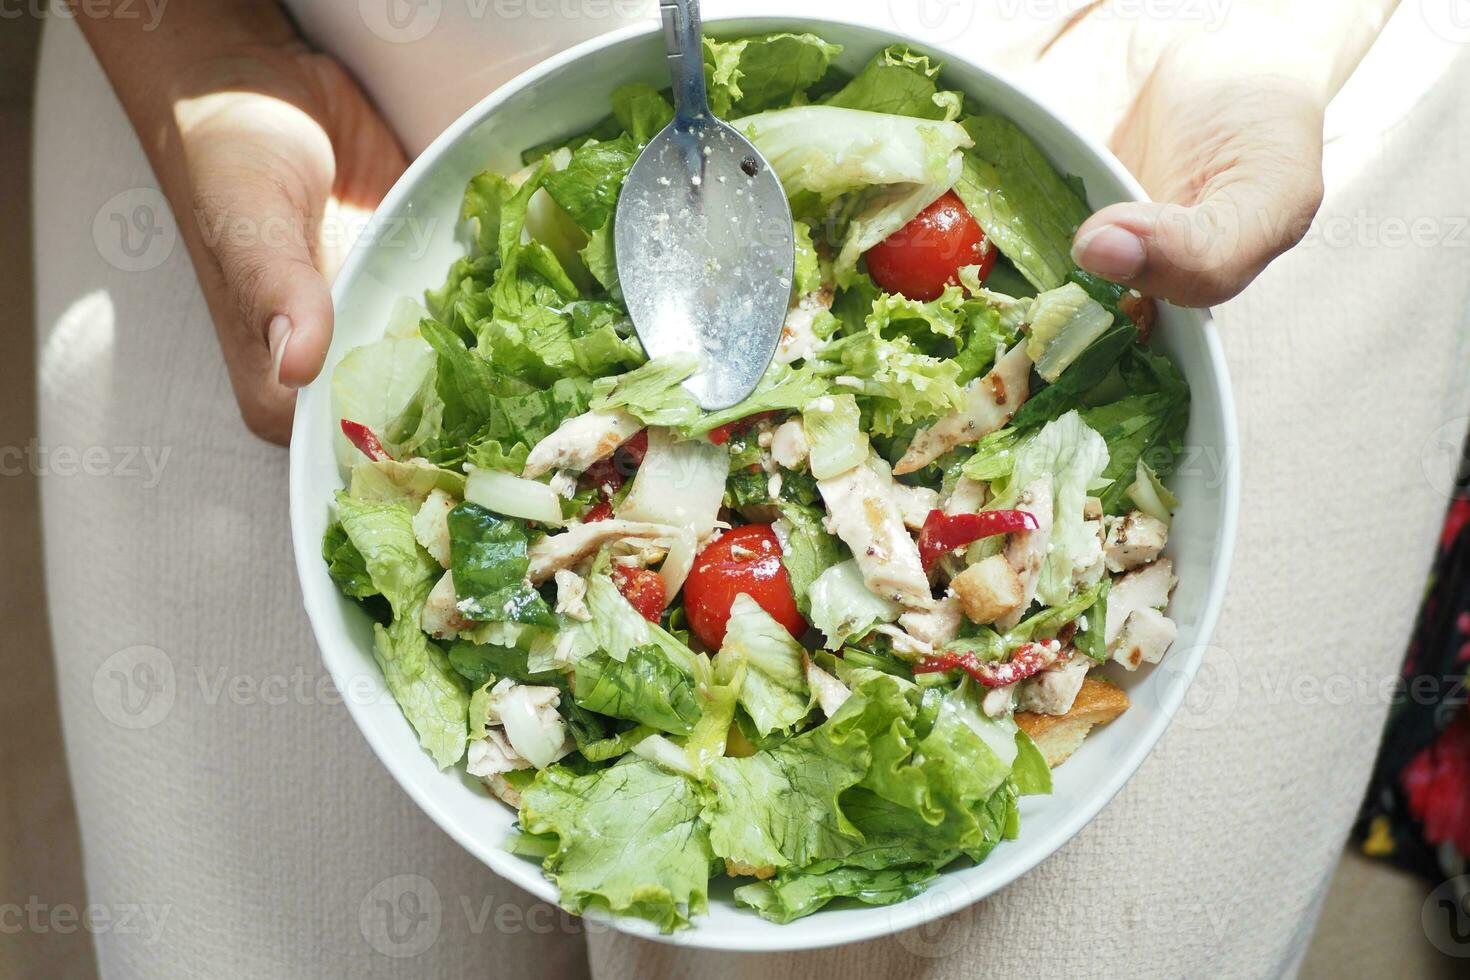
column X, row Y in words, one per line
column 1058, row 736
column 737, row 870
column 989, row 589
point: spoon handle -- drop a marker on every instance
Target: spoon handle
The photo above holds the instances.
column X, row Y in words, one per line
column 685, row 43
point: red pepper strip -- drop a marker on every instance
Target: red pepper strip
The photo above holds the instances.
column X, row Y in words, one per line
column 942, row 533
column 365, row 439
column 721, row 434
column 1026, row 659
column 600, row 511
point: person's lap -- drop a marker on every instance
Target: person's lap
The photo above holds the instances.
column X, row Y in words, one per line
column 221, row 786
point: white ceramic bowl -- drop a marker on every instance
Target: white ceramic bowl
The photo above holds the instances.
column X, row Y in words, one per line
column 561, row 97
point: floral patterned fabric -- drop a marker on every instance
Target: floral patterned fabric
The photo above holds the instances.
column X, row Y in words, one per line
column 1417, row 812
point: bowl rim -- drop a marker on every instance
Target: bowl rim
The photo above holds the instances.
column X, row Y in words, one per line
column 952, row 895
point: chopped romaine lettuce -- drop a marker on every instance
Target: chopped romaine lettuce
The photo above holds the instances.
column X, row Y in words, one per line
column 626, row 840
column 829, row 151
column 843, row 607
column 774, row 692
column 836, row 440
column 488, row 557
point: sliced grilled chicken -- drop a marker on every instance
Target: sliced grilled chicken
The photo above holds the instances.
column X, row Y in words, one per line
column 967, row 497
column 1143, row 588
column 581, row 441
column 1026, row 550
column 554, row 552
column 936, row 626
column 862, row 511
column 990, row 401
column 914, row 503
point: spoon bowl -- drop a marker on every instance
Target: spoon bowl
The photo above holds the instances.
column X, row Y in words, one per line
column 705, row 247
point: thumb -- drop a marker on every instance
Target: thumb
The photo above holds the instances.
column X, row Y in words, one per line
column 1216, row 237
column 277, row 323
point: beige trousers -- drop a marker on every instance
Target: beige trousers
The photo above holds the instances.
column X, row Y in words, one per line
column 232, row 812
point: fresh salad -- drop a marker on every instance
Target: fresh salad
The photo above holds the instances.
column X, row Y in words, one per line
column 819, row 642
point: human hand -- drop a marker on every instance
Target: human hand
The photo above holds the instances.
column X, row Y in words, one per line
column 275, row 173
column 267, row 153
column 1222, row 126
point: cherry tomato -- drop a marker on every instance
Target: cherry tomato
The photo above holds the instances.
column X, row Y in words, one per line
column 721, row 434
column 925, row 255
column 643, row 589
column 746, row 559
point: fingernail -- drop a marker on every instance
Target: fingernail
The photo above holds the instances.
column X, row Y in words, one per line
column 278, row 334
column 1111, row 252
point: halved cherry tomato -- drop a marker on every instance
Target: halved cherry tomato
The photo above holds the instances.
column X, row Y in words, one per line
column 643, row 589
column 943, row 532
column 364, row 439
column 721, row 434
column 925, row 255
column 746, row 559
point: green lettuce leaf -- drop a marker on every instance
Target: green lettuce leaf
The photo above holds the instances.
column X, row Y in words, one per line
column 432, row 696
column 345, row 563
column 373, row 384
column 382, row 534
column 1064, row 323
column 749, row 74
column 1146, row 426
column 641, row 110
column 898, row 81
column 1024, row 206
column 488, row 556
column 843, row 607
column 395, row 481
column 626, row 840
column 828, row 151
column 646, row 687
column 834, row 435
column 588, row 188
column 790, row 895
column 807, row 548
column 774, row 692
column 779, row 808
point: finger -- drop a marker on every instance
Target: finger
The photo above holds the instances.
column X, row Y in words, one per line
column 278, row 319
column 1238, row 172
column 1202, row 254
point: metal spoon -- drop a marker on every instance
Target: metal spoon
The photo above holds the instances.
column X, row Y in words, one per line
column 705, row 247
